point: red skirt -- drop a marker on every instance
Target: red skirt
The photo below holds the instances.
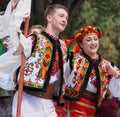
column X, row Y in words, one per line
column 59, row 110
column 80, row 108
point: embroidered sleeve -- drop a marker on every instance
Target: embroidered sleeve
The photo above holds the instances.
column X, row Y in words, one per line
column 114, row 84
column 117, row 76
column 114, row 87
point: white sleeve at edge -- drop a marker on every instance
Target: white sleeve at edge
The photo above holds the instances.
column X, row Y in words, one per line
column 114, row 87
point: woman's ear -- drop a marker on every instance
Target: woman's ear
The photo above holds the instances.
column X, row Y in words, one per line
column 80, row 43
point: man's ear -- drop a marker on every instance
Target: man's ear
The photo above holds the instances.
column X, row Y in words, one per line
column 48, row 17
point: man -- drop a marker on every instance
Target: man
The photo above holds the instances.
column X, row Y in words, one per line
column 43, row 74
column 6, row 103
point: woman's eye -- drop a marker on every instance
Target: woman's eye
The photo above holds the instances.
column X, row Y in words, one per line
column 88, row 40
column 95, row 39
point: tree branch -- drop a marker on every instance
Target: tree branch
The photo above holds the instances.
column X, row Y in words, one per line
column 74, row 5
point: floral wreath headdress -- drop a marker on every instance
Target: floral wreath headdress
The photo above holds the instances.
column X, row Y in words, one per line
column 79, row 35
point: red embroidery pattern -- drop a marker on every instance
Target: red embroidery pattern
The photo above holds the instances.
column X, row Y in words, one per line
column 55, row 65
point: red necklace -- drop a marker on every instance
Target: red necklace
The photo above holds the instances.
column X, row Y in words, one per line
column 55, row 38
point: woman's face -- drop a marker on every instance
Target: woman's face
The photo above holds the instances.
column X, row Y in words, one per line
column 90, row 44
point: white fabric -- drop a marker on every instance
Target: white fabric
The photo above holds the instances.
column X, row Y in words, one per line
column 8, row 65
column 10, row 24
column 34, row 107
column 27, row 44
column 67, row 70
column 114, row 87
column 7, row 82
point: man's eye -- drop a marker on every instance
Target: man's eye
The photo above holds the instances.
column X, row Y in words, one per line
column 61, row 15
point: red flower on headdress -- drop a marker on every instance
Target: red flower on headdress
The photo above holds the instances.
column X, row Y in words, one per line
column 99, row 34
column 80, row 38
column 86, row 30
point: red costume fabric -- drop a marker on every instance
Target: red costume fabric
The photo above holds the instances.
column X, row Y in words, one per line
column 59, row 110
column 109, row 108
column 82, row 107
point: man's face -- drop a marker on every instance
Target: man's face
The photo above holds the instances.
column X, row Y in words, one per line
column 59, row 19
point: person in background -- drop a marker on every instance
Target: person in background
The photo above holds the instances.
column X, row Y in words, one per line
column 43, row 73
column 86, row 74
column 36, row 29
column 6, row 98
column 109, row 106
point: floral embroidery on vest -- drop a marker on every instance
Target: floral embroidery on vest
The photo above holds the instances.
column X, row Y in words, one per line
column 78, row 78
column 37, row 65
column 80, row 70
column 93, row 80
column 55, row 67
column 104, row 82
column 36, row 44
column 47, row 58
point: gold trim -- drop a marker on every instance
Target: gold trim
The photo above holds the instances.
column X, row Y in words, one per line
column 74, row 110
column 84, row 104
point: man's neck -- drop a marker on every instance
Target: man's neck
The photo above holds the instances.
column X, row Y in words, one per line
column 52, row 33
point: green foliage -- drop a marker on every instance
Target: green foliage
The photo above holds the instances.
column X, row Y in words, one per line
column 2, row 50
column 104, row 14
column 101, row 13
column 108, row 50
column 37, row 19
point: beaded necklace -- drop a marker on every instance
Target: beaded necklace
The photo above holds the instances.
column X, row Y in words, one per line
column 52, row 36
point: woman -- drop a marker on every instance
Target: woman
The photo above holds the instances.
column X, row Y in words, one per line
column 87, row 76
